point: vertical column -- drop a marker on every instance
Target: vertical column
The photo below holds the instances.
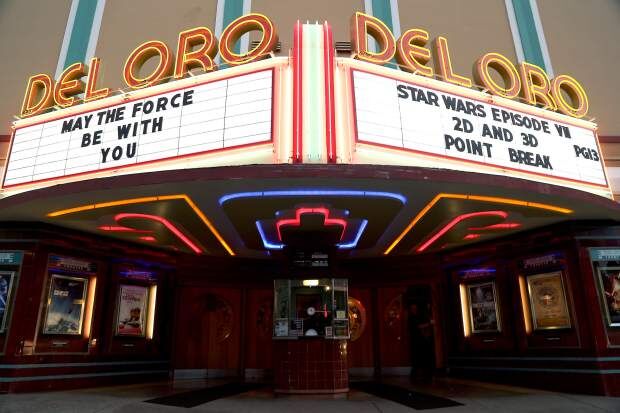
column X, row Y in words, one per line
column 387, row 12
column 527, row 33
column 227, row 11
column 82, row 32
column 314, row 127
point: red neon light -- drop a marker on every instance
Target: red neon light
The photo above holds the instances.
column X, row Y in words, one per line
column 503, row 225
column 148, row 238
column 165, row 223
column 296, row 222
column 297, row 94
column 118, row 228
column 471, row 236
column 328, row 64
column 456, row 220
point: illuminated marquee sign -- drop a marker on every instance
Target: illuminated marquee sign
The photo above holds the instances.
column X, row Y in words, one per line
column 408, row 116
column 439, row 119
column 211, row 116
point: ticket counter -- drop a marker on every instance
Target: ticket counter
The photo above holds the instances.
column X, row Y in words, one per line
column 310, row 333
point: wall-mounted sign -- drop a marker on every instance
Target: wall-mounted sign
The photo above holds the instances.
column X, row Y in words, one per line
column 542, row 261
column 612, row 254
column 207, row 117
column 475, row 273
column 73, row 265
column 11, row 257
column 197, row 47
column 404, row 115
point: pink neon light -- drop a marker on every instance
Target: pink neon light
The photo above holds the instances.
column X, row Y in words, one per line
column 328, row 64
column 297, row 94
column 148, row 238
column 471, row 236
column 504, row 225
column 165, row 223
column 295, row 222
column 456, row 220
column 118, row 228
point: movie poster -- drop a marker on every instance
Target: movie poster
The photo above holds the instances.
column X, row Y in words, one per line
column 548, row 301
column 483, row 308
column 65, row 305
column 609, row 282
column 131, row 314
column 6, row 285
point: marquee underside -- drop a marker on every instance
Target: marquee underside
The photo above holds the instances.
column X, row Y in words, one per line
column 260, row 210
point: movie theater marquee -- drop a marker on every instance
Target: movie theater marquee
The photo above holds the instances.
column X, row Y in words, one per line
column 415, row 116
column 213, row 116
column 407, row 116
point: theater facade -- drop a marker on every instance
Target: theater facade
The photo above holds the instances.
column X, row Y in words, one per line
column 279, row 202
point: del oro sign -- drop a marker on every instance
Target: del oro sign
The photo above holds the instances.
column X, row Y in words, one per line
column 197, row 48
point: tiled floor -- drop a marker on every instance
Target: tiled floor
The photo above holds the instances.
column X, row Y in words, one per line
column 475, row 397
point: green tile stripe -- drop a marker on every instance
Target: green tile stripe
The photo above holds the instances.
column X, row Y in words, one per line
column 382, row 10
column 532, row 51
column 233, row 9
column 80, row 32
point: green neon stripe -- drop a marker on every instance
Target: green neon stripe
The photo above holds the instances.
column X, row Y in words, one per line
column 80, row 33
column 233, row 9
column 312, row 61
column 527, row 32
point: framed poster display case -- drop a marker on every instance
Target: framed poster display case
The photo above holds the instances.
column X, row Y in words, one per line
column 548, row 319
column 133, row 319
column 66, row 298
column 483, row 308
column 548, row 302
column 131, row 310
column 67, row 306
column 10, row 269
column 7, row 279
column 609, row 286
column 605, row 263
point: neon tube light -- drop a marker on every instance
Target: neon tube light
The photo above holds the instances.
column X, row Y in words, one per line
column 493, row 199
column 169, row 225
column 313, row 192
column 131, row 201
column 266, row 243
column 296, row 222
column 353, row 243
column 455, row 221
column 278, row 246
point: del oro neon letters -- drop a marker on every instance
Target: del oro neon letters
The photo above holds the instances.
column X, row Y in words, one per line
column 197, row 48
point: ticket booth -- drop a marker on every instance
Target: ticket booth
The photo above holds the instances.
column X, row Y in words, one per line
column 310, row 333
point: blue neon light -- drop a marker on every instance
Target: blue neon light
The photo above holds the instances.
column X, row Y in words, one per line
column 266, row 243
column 353, row 243
column 314, row 192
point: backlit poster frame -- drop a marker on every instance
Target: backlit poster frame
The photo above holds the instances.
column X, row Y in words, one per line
column 545, row 319
column 6, row 289
column 125, row 314
column 54, row 300
column 608, row 297
column 485, row 305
